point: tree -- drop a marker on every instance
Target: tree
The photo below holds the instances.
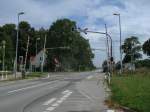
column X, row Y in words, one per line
column 70, row 48
column 25, row 31
column 78, row 56
column 131, row 49
column 146, row 47
column 9, row 54
column 40, row 34
column 10, row 30
column 143, row 63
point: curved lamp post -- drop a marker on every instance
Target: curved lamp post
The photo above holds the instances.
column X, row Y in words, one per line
column 16, row 58
column 103, row 33
column 117, row 14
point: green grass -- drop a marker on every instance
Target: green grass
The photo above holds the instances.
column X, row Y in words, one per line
column 36, row 75
column 29, row 76
column 132, row 91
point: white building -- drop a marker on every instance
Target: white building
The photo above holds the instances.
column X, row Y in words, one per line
column 129, row 66
column 36, row 61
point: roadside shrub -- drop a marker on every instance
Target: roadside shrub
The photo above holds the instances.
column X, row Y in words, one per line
column 143, row 63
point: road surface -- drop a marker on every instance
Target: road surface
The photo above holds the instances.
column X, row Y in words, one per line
column 65, row 92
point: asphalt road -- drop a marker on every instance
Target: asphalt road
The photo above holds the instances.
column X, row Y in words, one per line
column 46, row 95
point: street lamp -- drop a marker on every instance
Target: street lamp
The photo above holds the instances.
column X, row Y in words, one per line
column 117, row 14
column 15, row 64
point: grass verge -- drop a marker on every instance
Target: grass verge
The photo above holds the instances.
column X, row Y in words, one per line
column 31, row 76
column 36, row 75
column 132, row 91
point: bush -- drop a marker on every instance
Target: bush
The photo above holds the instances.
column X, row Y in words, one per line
column 143, row 63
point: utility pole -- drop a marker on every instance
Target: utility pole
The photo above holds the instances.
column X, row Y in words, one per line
column 21, row 63
column 36, row 45
column 111, row 59
column 108, row 55
column 43, row 59
column 26, row 53
column 107, row 44
column 120, row 43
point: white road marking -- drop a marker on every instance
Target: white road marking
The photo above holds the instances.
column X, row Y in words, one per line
column 58, row 102
column 66, row 91
column 49, row 101
column 50, row 108
column 55, row 104
column 72, row 101
column 21, row 89
column 110, row 110
column 87, row 96
column 89, row 77
column 63, row 98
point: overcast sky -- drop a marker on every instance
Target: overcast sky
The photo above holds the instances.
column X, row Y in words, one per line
column 135, row 17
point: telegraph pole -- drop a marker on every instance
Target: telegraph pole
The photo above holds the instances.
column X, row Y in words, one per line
column 43, row 59
column 25, row 63
column 107, row 41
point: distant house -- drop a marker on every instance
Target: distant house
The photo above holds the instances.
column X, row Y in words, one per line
column 129, row 66
column 36, row 61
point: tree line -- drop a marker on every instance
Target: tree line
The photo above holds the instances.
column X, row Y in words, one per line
column 132, row 50
column 60, row 34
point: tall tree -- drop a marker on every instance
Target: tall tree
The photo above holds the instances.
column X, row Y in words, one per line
column 60, row 34
column 40, row 36
column 25, row 31
column 10, row 30
column 9, row 54
column 146, row 47
column 131, row 49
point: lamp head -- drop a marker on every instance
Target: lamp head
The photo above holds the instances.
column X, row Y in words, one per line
column 21, row 13
column 116, row 14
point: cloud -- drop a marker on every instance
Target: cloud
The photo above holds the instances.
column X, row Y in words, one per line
column 134, row 17
column 41, row 12
column 88, row 13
